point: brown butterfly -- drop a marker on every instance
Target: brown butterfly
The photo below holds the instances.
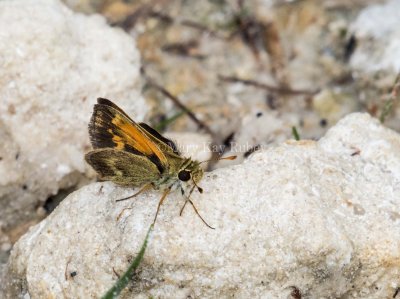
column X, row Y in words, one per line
column 136, row 155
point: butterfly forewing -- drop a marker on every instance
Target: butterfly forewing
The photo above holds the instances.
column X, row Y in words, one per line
column 165, row 143
column 111, row 128
column 103, row 101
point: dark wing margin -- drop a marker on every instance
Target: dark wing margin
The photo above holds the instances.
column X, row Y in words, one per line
column 157, row 135
column 106, row 102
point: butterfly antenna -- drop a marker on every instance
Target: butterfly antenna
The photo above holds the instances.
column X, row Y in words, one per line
column 197, row 186
column 220, row 158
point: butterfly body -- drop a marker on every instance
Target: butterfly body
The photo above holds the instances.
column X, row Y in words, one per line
column 132, row 155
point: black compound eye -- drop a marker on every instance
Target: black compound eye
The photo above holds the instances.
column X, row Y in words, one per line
column 184, row 175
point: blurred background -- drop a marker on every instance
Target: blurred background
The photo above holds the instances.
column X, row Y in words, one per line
column 250, row 71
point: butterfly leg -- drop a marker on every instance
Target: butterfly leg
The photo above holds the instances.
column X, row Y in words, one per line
column 122, row 212
column 194, row 207
column 144, row 188
column 186, row 201
column 163, row 197
column 183, row 207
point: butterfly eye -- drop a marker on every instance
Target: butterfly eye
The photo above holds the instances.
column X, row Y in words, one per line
column 184, row 175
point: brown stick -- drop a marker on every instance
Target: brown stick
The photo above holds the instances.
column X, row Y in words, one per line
column 178, row 103
column 188, row 23
column 277, row 89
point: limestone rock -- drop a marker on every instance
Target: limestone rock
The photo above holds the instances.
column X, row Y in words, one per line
column 377, row 29
column 54, row 64
column 322, row 217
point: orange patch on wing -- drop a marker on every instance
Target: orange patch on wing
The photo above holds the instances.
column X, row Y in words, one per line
column 118, row 141
column 136, row 138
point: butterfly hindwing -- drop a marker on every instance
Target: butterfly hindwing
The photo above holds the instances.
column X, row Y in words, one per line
column 122, row 168
column 110, row 127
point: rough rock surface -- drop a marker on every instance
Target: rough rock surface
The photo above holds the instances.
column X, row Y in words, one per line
column 52, row 71
column 377, row 29
column 322, row 217
column 262, row 130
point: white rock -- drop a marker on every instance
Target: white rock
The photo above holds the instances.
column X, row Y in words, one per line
column 262, row 130
column 257, row 132
column 377, row 29
column 54, row 64
column 321, row 216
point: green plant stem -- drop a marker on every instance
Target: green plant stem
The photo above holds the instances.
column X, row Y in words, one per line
column 162, row 125
column 123, row 281
column 295, row 133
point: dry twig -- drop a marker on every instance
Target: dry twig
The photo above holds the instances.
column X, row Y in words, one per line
column 178, row 103
column 276, row 89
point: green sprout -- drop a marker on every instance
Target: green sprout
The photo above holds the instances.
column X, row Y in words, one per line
column 295, row 133
column 123, row 281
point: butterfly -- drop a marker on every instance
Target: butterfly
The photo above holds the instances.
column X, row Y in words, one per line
column 134, row 154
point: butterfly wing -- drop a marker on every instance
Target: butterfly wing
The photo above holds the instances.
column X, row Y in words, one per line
column 153, row 134
column 111, row 127
column 167, row 144
column 103, row 101
column 122, row 168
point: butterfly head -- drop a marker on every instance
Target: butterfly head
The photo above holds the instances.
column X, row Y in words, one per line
column 192, row 172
